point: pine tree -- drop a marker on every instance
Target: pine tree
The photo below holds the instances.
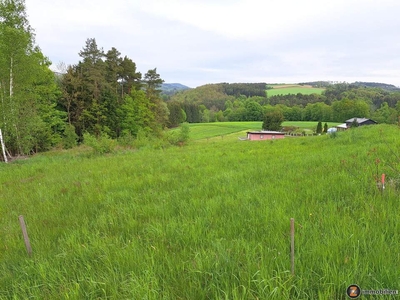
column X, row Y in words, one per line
column 129, row 78
column 152, row 83
column 319, row 128
column 92, row 71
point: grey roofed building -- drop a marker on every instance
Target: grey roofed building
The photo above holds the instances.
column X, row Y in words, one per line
column 360, row 121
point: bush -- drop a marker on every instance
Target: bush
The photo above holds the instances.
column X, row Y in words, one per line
column 179, row 137
column 126, row 139
column 70, row 137
column 102, row 144
column 184, row 132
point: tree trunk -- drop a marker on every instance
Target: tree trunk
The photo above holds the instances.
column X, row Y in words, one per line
column 11, row 77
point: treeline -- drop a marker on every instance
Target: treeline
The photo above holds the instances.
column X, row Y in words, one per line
column 105, row 94
column 325, row 84
column 384, row 86
column 245, row 89
column 337, row 103
column 29, row 118
column 102, row 96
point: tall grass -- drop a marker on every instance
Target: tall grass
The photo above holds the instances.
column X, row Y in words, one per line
column 209, row 220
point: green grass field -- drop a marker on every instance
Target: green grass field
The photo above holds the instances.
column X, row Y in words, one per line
column 293, row 89
column 209, row 220
column 208, row 130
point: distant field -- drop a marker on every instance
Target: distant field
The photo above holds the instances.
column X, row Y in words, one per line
column 207, row 130
column 200, row 131
column 293, row 89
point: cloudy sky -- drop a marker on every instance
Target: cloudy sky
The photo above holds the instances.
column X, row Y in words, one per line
column 195, row 42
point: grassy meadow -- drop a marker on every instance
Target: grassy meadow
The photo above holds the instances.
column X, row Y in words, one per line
column 209, row 220
column 200, row 131
column 285, row 89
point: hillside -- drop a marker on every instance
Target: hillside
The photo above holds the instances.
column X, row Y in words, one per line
column 383, row 86
column 210, row 220
column 172, row 88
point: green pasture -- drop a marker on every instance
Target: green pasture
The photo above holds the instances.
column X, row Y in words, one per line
column 200, row 131
column 293, row 89
column 208, row 130
column 208, row 220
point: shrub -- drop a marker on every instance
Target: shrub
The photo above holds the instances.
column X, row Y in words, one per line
column 184, row 132
column 179, row 137
column 100, row 145
column 126, row 139
column 70, row 137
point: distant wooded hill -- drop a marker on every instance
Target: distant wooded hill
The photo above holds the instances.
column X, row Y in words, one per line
column 172, row 88
column 383, row 86
column 331, row 102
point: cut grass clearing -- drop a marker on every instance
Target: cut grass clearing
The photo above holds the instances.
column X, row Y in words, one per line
column 200, row 131
column 293, row 89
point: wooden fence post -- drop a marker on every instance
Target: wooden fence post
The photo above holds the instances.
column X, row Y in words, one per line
column 292, row 244
column 25, row 234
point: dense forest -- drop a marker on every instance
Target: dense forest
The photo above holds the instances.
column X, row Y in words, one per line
column 101, row 95
column 104, row 95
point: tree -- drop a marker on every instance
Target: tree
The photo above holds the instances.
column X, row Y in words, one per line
column 71, row 100
column 29, row 119
column 176, row 114
column 152, row 85
column 346, row 109
column 253, row 111
column 92, row 71
column 326, row 128
column 273, row 120
column 129, row 78
column 385, row 114
column 113, row 69
column 137, row 114
column 192, row 111
column 319, row 127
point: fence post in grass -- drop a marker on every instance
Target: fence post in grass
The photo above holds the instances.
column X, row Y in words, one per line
column 292, row 244
column 25, row 234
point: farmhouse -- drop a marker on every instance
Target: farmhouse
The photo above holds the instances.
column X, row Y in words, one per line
column 264, row 135
column 360, row 121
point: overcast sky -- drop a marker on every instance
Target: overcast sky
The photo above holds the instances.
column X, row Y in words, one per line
column 195, row 42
